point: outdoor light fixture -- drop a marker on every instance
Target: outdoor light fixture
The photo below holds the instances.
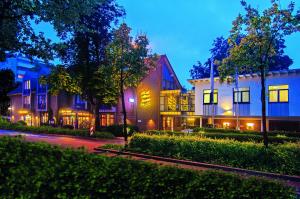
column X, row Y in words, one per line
column 131, row 100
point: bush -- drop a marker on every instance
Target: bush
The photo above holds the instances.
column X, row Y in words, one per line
column 271, row 133
column 284, row 158
column 36, row 170
column 117, row 130
column 68, row 126
column 54, row 130
column 242, row 137
column 21, row 123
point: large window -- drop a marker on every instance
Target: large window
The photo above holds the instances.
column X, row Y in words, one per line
column 279, row 93
column 42, row 102
column 207, row 97
column 27, row 85
column 241, row 95
column 107, row 119
column 27, row 100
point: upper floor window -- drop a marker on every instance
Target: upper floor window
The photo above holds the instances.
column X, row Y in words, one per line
column 41, row 101
column 27, row 85
column 241, row 95
column 42, row 88
column 279, row 93
column 207, row 97
column 27, row 100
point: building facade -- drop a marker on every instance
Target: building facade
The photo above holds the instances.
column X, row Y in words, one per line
column 240, row 106
column 158, row 102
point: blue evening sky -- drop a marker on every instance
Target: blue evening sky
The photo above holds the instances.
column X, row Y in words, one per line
column 184, row 30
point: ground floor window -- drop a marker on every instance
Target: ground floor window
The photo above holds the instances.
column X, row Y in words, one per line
column 44, row 118
column 107, row 119
column 28, row 120
column 83, row 122
column 168, row 123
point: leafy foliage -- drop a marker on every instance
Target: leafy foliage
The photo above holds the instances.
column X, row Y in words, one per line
column 7, row 84
column 18, row 16
column 37, row 170
column 221, row 50
column 130, row 61
column 283, row 158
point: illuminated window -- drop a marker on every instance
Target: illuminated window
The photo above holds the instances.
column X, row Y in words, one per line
column 241, row 95
column 27, row 100
column 27, row 85
column 107, row 119
column 207, row 94
column 41, row 102
column 279, row 93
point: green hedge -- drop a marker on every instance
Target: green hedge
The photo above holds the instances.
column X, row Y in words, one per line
column 117, row 130
column 250, row 137
column 220, row 130
column 242, row 137
column 284, row 158
column 35, row 170
column 53, row 130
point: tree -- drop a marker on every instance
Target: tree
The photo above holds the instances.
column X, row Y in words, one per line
column 18, row 16
column 130, row 60
column 221, row 49
column 256, row 50
column 83, row 55
column 7, row 84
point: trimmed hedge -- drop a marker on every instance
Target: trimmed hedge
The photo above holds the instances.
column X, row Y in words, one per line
column 53, row 130
column 117, row 130
column 284, row 158
column 242, row 137
column 270, row 133
column 36, row 170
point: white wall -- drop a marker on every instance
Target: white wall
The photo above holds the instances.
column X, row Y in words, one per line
column 225, row 97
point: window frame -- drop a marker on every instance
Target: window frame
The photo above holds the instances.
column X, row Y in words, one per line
column 210, row 101
column 278, row 93
column 241, row 93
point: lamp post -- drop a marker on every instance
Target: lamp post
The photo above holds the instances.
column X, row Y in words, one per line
column 212, row 85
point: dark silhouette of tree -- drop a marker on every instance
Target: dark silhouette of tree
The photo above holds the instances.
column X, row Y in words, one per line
column 7, row 84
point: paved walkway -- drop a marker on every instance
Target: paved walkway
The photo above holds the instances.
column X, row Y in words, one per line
column 64, row 140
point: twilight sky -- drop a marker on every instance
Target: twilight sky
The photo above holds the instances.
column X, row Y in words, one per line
column 184, row 30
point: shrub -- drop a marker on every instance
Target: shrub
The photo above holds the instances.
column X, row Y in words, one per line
column 284, row 158
column 21, row 123
column 158, row 132
column 54, row 130
column 220, row 130
column 68, row 126
column 117, row 130
column 36, row 170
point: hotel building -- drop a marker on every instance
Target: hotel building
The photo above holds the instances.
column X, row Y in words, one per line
column 231, row 106
column 160, row 102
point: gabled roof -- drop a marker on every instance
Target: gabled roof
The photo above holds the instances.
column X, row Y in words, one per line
column 168, row 64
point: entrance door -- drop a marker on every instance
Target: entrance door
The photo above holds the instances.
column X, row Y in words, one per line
column 168, row 123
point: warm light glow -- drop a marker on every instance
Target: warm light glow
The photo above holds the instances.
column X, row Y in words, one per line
column 23, row 111
column 250, row 126
column 226, row 124
column 170, row 113
column 170, row 92
column 145, row 98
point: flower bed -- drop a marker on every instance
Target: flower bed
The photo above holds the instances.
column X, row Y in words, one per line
column 36, row 170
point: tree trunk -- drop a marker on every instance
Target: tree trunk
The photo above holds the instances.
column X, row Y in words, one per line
column 96, row 116
column 263, row 107
column 124, row 113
